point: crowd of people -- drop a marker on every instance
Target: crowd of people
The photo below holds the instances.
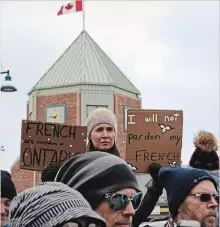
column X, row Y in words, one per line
column 98, row 188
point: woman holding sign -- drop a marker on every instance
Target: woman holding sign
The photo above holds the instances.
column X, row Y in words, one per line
column 102, row 131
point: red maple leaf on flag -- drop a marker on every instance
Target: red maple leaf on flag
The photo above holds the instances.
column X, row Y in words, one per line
column 60, row 11
column 74, row 6
column 69, row 6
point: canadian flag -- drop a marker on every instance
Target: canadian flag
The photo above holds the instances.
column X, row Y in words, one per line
column 74, row 6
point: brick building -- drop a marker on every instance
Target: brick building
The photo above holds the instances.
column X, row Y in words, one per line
column 82, row 79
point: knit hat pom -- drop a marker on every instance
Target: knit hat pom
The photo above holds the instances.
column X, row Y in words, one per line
column 205, row 141
column 205, row 155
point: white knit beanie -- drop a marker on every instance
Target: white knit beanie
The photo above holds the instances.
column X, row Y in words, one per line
column 100, row 116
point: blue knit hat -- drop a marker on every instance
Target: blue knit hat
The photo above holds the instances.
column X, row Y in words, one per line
column 178, row 183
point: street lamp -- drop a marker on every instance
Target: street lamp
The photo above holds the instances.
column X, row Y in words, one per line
column 7, row 86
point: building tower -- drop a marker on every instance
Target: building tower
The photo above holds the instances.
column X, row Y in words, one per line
column 82, row 79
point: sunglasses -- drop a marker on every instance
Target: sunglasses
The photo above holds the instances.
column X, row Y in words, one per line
column 75, row 224
column 118, row 202
column 205, row 197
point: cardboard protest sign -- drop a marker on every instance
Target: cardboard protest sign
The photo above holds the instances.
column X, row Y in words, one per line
column 45, row 143
column 153, row 136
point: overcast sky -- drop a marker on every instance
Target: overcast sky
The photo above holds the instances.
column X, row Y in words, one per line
column 168, row 49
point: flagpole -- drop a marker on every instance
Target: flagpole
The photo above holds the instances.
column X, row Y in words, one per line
column 83, row 2
column 83, row 47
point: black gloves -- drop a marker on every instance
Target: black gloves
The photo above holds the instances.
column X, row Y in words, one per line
column 156, row 187
column 150, row 198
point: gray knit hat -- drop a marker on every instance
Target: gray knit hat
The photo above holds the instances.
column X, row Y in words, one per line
column 48, row 205
column 100, row 116
column 96, row 173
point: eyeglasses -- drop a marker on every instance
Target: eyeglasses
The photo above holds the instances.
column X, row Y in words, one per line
column 118, row 202
column 205, row 197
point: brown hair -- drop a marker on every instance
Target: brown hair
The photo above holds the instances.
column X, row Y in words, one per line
column 114, row 150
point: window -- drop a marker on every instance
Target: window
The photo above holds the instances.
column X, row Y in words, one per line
column 126, row 108
column 90, row 108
